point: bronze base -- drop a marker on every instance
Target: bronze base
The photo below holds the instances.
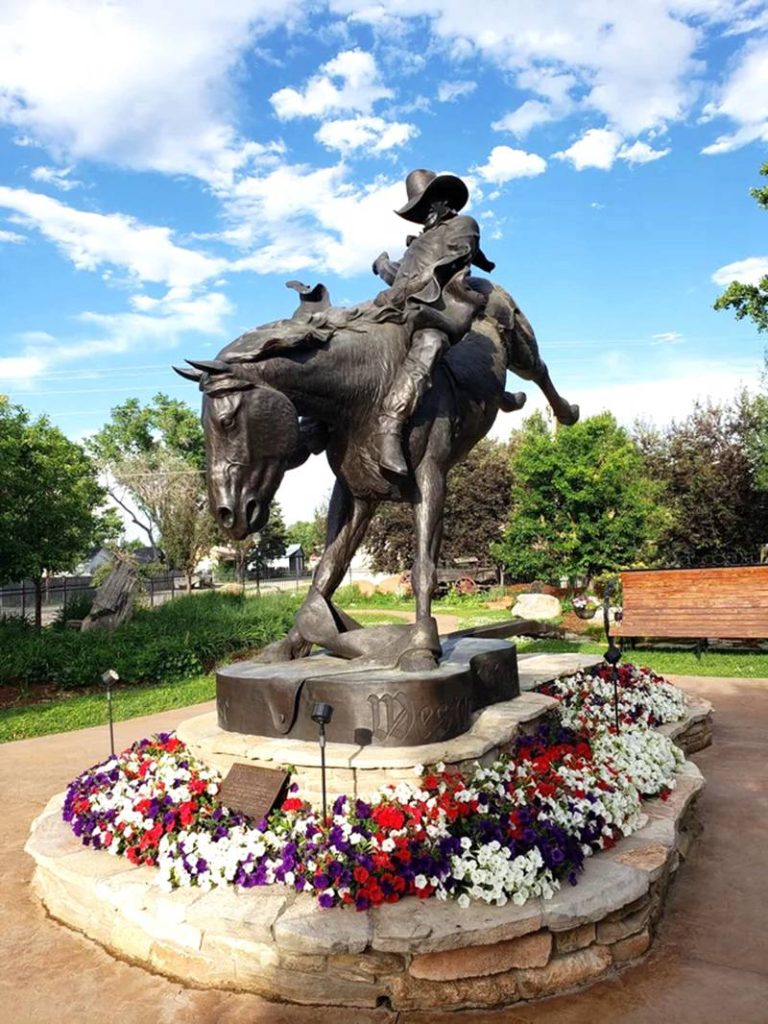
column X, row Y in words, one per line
column 373, row 704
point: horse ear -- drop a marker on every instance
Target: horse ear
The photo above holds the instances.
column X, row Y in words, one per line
column 274, row 422
column 193, row 375
column 210, row 365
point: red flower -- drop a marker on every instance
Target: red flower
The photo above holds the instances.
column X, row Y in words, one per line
column 291, row 804
column 187, row 812
column 387, row 816
column 360, row 874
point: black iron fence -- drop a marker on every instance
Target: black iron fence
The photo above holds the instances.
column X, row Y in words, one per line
column 59, row 591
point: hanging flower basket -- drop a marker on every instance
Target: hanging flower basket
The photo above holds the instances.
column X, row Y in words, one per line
column 585, row 606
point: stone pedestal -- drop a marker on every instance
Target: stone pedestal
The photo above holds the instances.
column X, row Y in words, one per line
column 357, row 770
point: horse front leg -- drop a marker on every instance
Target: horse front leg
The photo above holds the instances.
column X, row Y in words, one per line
column 428, row 515
column 348, row 520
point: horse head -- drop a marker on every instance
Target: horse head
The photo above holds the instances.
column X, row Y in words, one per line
column 251, row 433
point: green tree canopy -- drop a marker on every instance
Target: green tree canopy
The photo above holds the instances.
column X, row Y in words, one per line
column 52, row 502
column 144, row 438
column 714, row 469
column 581, row 502
column 476, row 509
column 750, row 300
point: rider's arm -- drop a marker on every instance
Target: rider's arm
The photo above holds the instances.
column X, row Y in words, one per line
column 385, row 268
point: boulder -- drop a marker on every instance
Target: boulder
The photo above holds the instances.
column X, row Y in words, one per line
column 537, row 606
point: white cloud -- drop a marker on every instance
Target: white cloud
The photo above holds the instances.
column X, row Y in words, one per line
column 359, row 87
column 743, row 99
column 749, row 271
column 641, row 153
column 447, row 92
column 373, row 134
column 316, row 219
column 598, row 147
column 640, row 72
column 144, row 85
column 602, row 147
column 527, row 116
column 20, row 368
column 668, row 338
column 505, row 163
column 57, row 176
column 93, row 240
column 12, row 237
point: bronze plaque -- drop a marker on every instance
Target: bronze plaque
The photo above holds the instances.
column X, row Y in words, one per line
column 253, row 791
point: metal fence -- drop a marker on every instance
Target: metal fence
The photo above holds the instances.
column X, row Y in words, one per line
column 18, row 599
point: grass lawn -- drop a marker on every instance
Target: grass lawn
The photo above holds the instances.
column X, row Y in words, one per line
column 81, row 710
column 736, row 665
column 77, row 711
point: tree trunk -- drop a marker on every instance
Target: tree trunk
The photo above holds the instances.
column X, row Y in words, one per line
column 38, row 582
column 188, row 573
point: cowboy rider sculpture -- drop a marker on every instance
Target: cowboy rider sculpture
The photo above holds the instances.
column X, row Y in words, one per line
column 429, row 288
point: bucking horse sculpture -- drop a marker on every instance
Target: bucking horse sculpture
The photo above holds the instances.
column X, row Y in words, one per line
column 319, row 381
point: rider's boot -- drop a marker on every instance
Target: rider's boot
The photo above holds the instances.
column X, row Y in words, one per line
column 409, row 385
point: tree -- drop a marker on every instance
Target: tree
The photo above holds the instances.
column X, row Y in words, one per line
column 581, row 502
column 714, row 471
column 310, row 533
column 476, row 508
column 52, row 501
column 172, row 493
column 164, row 427
column 750, row 300
column 259, row 548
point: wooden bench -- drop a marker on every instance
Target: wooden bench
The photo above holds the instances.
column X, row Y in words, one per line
column 728, row 603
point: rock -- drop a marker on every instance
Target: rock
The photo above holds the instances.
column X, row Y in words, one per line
column 537, row 606
column 476, row 961
column 411, row 994
column 604, row 886
column 613, row 931
column 365, row 587
column 364, row 966
column 575, row 938
column 432, row 926
column 651, row 858
column 306, row 928
column 631, row 947
column 564, row 972
column 394, row 585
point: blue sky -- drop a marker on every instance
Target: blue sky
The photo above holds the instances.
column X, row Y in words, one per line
column 164, row 168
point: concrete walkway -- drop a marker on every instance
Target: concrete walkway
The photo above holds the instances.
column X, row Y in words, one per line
column 709, row 964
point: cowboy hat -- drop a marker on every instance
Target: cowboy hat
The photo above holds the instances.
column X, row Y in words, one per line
column 422, row 187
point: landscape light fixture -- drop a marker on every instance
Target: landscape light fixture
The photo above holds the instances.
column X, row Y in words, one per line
column 613, row 654
column 322, row 714
column 108, row 680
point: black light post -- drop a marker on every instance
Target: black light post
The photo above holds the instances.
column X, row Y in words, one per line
column 613, row 654
column 322, row 714
column 108, row 680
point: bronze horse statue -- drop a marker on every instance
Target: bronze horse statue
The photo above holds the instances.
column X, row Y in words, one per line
column 284, row 390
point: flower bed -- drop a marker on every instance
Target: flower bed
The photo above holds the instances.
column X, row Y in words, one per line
column 508, row 832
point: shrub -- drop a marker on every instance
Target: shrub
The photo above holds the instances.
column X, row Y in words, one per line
column 184, row 637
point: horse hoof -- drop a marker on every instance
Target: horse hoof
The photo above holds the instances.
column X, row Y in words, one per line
column 417, row 661
column 570, row 417
column 513, row 402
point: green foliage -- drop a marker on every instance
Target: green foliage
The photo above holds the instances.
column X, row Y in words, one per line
column 78, row 711
column 184, row 637
column 711, row 468
column 309, row 533
column 50, row 515
column 76, row 607
column 476, row 509
column 749, row 300
column 581, row 502
column 143, row 448
column 350, row 595
column 163, row 425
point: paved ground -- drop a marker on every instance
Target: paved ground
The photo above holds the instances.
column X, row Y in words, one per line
column 709, row 965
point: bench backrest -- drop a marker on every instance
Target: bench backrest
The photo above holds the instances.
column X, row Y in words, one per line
column 729, row 603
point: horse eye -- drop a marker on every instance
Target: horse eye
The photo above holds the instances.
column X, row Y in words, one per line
column 227, row 422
